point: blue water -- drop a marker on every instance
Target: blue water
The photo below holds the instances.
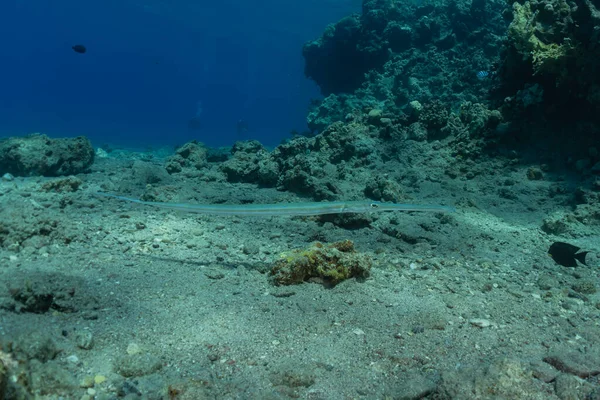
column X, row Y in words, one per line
column 151, row 66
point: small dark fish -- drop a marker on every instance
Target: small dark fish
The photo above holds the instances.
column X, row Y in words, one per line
column 566, row 254
column 79, row 48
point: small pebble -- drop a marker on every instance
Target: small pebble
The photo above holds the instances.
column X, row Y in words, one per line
column 480, row 322
column 133, row 348
column 87, row 382
column 85, row 340
column 73, row 359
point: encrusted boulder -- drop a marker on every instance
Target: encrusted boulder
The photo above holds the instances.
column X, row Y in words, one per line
column 40, row 155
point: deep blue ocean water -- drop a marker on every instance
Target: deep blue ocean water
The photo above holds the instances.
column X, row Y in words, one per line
column 152, row 66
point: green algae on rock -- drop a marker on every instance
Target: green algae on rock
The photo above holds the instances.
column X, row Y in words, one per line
column 330, row 264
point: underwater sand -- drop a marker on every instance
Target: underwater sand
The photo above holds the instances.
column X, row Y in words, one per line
column 161, row 304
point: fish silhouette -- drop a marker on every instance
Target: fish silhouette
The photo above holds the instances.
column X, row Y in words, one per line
column 79, row 48
column 566, row 254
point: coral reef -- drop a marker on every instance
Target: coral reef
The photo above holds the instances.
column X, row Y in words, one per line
column 549, row 73
column 338, row 60
column 537, row 90
column 402, row 53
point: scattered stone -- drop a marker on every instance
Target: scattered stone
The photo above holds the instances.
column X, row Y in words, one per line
column 32, row 298
column 293, row 378
column 36, row 346
column 417, row 131
column 85, row 340
column 571, row 387
column 556, row 224
column 133, row 348
column 375, row 116
column 547, row 282
column 64, row 185
column 481, row 323
column 137, row 365
column 214, row 275
column 8, row 177
column 415, row 108
column 506, row 379
column 251, row 163
column 101, row 153
column 191, row 155
column 149, row 173
column 412, row 386
column 534, row 174
column 250, row 249
column 544, row 372
column 87, row 382
column 50, row 378
column 73, row 359
column 128, row 388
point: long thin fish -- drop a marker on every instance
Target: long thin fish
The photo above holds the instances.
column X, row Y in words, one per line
column 333, row 207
